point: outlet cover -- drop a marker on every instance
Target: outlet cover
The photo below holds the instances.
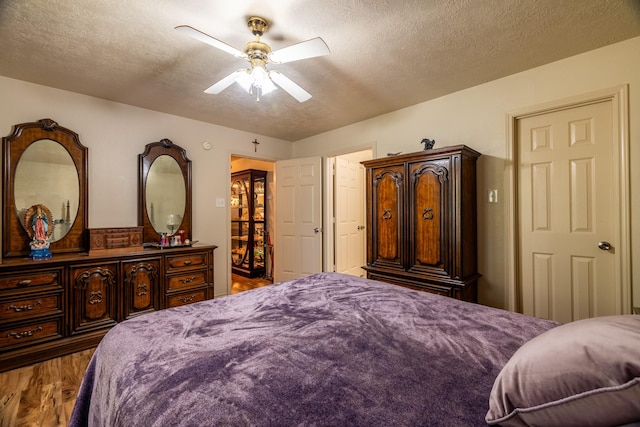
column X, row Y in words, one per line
column 220, row 202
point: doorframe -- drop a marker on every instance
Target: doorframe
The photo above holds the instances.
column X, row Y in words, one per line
column 618, row 96
column 227, row 195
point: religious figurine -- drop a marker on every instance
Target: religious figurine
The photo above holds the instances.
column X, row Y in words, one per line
column 39, row 226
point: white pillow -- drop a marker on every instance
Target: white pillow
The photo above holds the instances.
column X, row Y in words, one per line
column 583, row 373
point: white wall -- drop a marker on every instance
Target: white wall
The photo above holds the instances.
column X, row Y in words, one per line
column 477, row 117
column 116, row 133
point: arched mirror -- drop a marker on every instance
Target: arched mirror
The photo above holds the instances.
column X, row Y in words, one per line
column 165, row 191
column 45, row 179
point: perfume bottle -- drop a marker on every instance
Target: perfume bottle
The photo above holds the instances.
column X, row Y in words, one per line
column 182, row 235
column 163, row 239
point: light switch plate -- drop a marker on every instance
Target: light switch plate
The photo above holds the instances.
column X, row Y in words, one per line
column 493, row 196
column 220, row 203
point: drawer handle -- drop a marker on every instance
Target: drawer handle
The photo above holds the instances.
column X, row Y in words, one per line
column 142, row 289
column 187, row 299
column 95, row 297
column 24, row 334
column 19, row 308
column 187, row 262
column 386, row 214
column 24, row 283
column 187, row 279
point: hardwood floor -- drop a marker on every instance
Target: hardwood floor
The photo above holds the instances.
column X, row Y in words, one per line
column 240, row 283
column 42, row 394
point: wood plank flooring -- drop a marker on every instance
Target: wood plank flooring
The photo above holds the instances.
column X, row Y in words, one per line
column 240, row 283
column 43, row 394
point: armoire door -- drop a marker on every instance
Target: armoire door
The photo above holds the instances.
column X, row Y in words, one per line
column 385, row 246
column 429, row 217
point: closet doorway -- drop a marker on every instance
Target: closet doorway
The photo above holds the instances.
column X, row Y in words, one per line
column 345, row 204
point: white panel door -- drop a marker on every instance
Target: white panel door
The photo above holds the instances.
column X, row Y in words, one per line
column 298, row 243
column 350, row 236
column 568, row 210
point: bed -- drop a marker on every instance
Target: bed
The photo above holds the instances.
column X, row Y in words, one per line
column 324, row 350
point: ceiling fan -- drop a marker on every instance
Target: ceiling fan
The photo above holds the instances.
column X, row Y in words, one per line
column 257, row 80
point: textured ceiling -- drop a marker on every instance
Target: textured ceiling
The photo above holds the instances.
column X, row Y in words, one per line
column 385, row 54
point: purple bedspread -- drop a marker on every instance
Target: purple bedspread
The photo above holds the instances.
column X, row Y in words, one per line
column 325, row 350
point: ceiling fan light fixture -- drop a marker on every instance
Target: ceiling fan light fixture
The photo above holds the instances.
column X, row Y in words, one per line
column 266, row 85
column 259, row 76
column 243, row 78
column 256, row 81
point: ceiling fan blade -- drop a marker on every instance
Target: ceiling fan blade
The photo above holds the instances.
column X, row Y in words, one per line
column 303, row 50
column 206, row 38
column 289, row 86
column 221, row 85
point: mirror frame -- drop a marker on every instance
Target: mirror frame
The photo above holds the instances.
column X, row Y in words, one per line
column 152, row 151
column 15, row 239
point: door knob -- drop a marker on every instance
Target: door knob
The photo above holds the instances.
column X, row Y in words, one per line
column 316, row 230
column 605, row 246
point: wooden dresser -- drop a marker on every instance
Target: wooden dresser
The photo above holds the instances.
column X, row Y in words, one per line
column 421, row 221
column 58, row 306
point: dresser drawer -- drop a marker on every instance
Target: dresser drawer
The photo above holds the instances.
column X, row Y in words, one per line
column 186, row 261
column 176, row 300
column 30, row 281
column 31, row 306
column 29, row 333
column 189, row 280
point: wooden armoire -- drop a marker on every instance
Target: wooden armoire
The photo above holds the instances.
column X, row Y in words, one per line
column 421, row 221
